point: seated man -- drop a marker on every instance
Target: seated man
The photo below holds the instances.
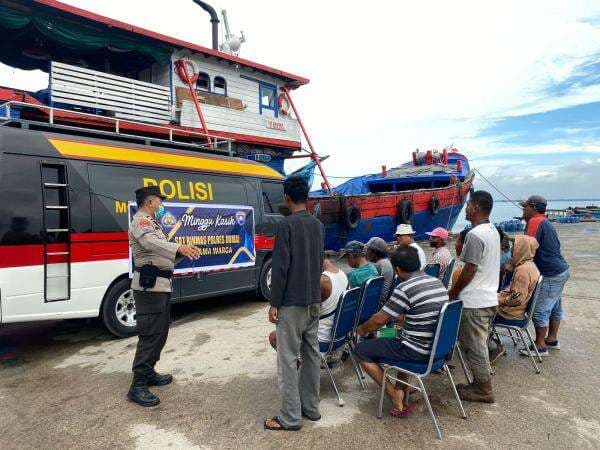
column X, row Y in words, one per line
column 405, row 237
column 513, row 301
column 333, row 283
column 377, row 253
column 417, row 301
column 441, row 255
column 354, row 252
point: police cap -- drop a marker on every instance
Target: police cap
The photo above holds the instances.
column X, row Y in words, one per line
column 142, row 193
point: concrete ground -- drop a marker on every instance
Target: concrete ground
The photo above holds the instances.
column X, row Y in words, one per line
column 63, row 385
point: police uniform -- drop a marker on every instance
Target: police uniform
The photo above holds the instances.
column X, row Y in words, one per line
column 149, row 245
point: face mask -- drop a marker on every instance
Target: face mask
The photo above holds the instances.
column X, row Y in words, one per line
column 160, row 212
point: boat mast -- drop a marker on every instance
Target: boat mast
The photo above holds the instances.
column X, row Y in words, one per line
column 313, row 155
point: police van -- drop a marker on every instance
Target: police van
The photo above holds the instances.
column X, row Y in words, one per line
column 64, row 249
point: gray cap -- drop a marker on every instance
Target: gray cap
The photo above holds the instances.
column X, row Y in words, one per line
column 353, row 248
column 376, row 243
column 534, row 200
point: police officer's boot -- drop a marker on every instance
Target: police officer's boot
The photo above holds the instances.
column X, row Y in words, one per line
column 140, row 394
column 156, row 379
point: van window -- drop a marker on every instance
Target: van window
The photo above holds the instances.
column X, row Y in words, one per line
column 273, row 198
column 113, row 186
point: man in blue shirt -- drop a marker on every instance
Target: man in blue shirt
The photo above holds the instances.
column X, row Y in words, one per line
column 555, row 270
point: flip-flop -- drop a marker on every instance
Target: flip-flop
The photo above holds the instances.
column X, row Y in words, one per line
column 280, row 427
column 310, row 418
column 395, row 412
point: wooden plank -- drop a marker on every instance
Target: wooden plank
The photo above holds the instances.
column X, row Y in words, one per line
column 95, row 72
column 104, row 103
column 88, row 104
column 95, row 83
column 132, row 100
column 250, row 125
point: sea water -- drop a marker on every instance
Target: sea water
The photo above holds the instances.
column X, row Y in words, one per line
column 505, row 210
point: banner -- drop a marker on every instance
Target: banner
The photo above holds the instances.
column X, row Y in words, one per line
column 224, row 234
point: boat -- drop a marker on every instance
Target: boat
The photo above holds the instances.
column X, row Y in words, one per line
column 126, row 83
column 427, row 192
column 588, row 213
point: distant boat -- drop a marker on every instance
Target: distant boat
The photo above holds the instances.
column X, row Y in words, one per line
column 427, row 192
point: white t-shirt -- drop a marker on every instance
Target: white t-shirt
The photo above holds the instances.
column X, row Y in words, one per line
column 482, row 248
column 339, row 283
column 422, row 256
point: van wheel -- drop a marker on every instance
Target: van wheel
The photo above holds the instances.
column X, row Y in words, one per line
column 118, row 310
column 265, row 279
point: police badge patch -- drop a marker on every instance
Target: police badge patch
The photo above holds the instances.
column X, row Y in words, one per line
column 240, row 218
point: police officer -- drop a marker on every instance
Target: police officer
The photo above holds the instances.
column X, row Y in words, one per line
column 154, row 259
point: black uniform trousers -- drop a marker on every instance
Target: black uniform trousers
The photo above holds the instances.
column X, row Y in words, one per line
column 153, row 313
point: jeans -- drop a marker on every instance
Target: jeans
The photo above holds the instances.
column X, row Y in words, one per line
column 549, row 304
column 473, row 336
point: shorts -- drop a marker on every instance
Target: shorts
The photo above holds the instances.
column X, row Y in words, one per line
column 374, row 350
column 549, row 304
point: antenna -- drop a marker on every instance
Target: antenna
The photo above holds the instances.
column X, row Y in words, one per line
column 232, row 43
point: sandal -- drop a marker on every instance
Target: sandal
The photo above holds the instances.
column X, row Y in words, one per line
column 406, row 410
column 280, row 427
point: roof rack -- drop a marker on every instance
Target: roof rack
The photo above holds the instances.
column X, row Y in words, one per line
column 219, row 144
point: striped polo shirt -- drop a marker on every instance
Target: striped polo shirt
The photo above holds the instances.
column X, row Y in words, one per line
column 419, row 299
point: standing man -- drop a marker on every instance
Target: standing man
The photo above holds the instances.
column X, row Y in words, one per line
column 555, row 270
column 405, row 238
column 441, row 255
column 295, row 307
column 477, row 287
column 154, row 259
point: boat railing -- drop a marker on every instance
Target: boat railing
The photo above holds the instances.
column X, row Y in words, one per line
column 170, row 133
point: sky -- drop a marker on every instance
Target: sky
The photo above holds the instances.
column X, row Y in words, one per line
column 514, row 85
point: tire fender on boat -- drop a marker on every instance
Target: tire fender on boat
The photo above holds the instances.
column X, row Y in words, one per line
column 405, row 212
column 434, row 205
column 351, row 216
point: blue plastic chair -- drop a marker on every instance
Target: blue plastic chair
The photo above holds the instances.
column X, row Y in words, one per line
column 369, row 302
column 343, row 326
column 369, row 305
column 444, row 343
column 448, row 273
column 521, row 326
column 433, row 270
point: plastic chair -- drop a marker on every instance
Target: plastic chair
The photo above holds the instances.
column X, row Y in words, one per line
column 343, row 326
column 444, row 343
column 520, row 326
column 369, row 305
column 448, row 273
column 433, row 270
column 369, row 302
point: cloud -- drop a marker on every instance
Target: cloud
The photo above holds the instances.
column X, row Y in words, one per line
column 494, row 78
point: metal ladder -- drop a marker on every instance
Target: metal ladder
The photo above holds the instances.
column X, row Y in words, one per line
column 57, row 216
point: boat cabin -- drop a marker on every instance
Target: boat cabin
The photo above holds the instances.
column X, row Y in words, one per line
column 113, row 77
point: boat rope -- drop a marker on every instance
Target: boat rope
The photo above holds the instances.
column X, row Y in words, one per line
column 498, row 190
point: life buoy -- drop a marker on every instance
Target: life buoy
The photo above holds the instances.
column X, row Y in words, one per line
column 187, row 66
column 284, row 104
column 351, row 217
column 405, row 212
column 434, row 205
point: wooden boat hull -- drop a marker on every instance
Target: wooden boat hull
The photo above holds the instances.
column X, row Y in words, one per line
column 378, row 213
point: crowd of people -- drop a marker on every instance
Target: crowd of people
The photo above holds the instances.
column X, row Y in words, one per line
column 493, row 279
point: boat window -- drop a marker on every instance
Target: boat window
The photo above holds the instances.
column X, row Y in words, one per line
column 268, row 98
column 273, row 198
column 220, row 86
column 203, row 83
